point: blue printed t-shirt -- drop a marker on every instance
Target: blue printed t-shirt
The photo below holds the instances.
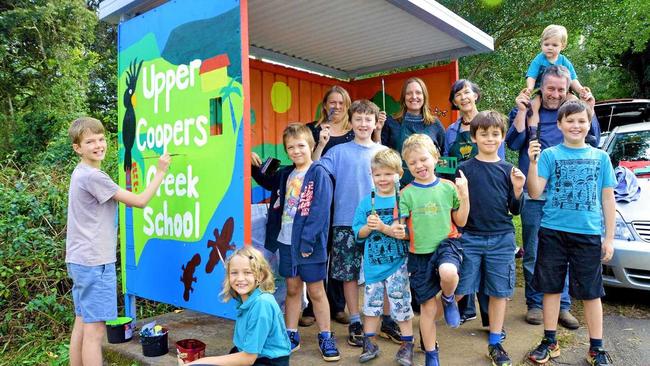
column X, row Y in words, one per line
column 575, row 180
column 540, row 63
column 291, row 200
column 259, row 327
column 350, row 166
column 428, row 208
column 383, row 255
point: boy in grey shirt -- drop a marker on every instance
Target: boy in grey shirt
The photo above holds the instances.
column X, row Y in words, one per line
column 92, row 237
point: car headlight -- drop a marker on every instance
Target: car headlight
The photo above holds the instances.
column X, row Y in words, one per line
column 621, row 230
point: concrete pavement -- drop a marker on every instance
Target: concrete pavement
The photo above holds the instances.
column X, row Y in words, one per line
column 466, row 345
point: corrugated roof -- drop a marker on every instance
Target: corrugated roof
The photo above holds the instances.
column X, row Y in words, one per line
column 346, row 38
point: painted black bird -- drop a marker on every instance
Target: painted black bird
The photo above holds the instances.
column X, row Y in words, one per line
column 128, row 123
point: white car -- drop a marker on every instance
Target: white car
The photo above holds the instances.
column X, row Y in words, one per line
column 629, row 145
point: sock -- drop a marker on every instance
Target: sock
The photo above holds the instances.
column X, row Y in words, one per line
column 369, row 334
column 325, row 334
column 448, row 299
column 408, row 339
column 355, row 318
column 386, row 318
column 550, row 335
column 433, row 353
column 292, row 330
column 494, row 338
column 595, row 343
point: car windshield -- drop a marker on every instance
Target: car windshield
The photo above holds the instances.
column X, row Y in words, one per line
column 630, row 146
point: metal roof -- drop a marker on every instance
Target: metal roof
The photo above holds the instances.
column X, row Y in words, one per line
column 345, row 38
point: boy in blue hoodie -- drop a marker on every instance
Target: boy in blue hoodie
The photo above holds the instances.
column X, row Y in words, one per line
column 297, row 226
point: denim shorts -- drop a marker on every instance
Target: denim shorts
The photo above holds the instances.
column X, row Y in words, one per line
column 311, row 272
column 94, row 291
column 489, row 258
column 423, row 268
column 399, row 296
column 345, row 263
column 558, row 251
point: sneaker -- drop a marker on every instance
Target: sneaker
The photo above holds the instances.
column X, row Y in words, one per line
column 534, row 316
column 341, row 317
column 355, row 337
column 467, row 317
column 567, row 320
column 498, row 355
column 598, row 357
column 390, row 330
column 294, row 339
column 452, row 316
column 370, row 350
column 306, row 321
column 544, row 352
column 327, row 347
column 504, row 335
column 431, row 358
column 404, row 355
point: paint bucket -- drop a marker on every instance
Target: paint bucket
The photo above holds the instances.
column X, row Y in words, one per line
column 154, row 346
column 190, row 349
column 119, row 330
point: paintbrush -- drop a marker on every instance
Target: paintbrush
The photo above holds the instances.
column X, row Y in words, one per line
column 372, row 201
column 383, row 94
column 399, row 216
column 156, row 157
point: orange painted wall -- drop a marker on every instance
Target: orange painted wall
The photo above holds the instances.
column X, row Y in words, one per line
column 437, row 79
column 306, row 92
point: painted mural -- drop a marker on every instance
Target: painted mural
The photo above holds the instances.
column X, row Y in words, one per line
column 180, row 78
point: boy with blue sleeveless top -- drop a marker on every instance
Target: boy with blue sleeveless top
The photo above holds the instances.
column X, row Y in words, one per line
column 377, row 228
column 488, row 236
column 581, row 191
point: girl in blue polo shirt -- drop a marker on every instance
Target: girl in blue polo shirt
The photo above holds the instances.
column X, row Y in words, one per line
column 260, row 334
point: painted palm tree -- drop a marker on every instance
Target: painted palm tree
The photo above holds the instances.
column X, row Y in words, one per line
column 225, row 93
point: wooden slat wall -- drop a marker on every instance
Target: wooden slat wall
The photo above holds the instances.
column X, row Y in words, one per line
column 307, row 91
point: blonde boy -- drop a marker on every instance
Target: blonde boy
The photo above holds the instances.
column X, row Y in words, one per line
column 432, row 207
column 376, row 225
column 92, row 236
column 554, row 40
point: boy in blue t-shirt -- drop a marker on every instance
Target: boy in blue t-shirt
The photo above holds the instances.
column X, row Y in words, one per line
column 350, row 167
column 581, row 191
column 376, row 226
column 488, row 239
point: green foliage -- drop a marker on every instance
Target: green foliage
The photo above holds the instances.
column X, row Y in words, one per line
column 598, row 35
column 35, row 305
column 44, row 72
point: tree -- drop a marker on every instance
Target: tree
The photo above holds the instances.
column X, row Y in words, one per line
column 45, row 63
column 598, row 34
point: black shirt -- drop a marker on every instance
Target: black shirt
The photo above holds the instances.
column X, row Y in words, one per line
column 491, row 197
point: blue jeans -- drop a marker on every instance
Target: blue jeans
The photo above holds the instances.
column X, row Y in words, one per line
column 531, row 218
